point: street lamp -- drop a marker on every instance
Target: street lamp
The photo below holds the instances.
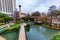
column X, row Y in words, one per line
column 20, row 11
column 20, row 8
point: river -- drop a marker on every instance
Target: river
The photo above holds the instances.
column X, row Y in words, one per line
column 38, row 32
column 10, row 35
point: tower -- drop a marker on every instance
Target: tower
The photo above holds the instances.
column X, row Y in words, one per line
column 19, row 8
column 20, row 11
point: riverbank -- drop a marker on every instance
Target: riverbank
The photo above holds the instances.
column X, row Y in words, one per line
column 53, row 27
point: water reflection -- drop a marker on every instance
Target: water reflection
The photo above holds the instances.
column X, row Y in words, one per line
column 37, row 32
column 27, row 28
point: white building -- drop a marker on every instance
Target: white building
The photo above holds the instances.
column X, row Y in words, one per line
column 7, row 5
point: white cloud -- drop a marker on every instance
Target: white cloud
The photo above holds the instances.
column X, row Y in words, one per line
column 45, row 6
column 37, row 5
column 26, row 4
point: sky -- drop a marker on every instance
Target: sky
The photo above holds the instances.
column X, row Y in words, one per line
column 29, row 6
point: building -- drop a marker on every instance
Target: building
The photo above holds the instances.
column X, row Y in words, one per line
column 23, row 15
column 16, row 17
column 43, row 14
column 0, row 6
column 7, row 5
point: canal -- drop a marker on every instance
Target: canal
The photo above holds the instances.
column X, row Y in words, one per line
column 13, row 35
column 38, row 32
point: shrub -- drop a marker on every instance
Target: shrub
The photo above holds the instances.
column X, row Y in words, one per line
column 17, row 23
column 2, row 20
column 28, row 20
column 28, row 25
column 13, row 27
column 56, row 36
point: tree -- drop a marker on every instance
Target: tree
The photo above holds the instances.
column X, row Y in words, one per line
column 8, row 19
column 37, row 13
column 51, row 9
column 2, row 15
column 56, row 12
column 4, row 18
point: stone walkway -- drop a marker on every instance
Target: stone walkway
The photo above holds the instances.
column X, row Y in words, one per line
column 1, row 38
column 22, row 35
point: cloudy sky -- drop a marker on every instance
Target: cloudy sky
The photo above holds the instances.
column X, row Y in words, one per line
column 29, row 6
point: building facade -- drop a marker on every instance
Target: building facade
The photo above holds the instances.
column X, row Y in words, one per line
column 7, row 5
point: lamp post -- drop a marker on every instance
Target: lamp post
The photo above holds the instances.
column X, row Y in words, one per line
column 20, row 11
column 19, row 8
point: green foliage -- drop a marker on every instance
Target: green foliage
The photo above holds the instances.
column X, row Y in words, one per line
column 8, row 29
column 3, row 15
column 13, row 27
column 56, row 12
column 23, row 17
column 1, row 20
column 28, row 24
column 4, row 18
column 27, row 27
column 15, row 24
column 53, row 10
column 45, row 24
column 7, row 18
column 28, row 20
column 56, row 36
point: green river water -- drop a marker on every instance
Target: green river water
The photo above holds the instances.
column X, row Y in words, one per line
column 38, row 32
column 10, row 35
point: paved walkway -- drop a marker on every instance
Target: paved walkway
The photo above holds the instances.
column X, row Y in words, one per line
column 6, row 25
column 22, row 35
column 1, row 38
